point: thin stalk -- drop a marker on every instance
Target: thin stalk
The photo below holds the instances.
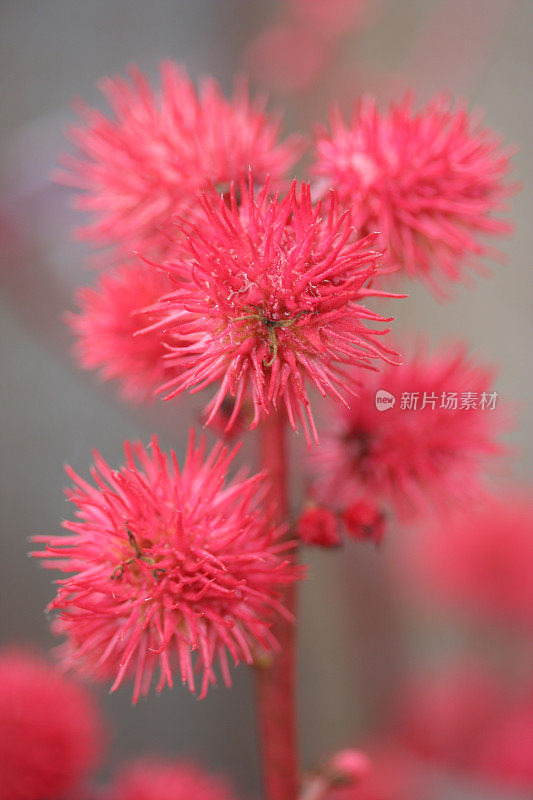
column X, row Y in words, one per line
column 276, row 676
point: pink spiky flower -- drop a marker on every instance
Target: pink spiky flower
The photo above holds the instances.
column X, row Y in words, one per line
column 52, row 734
column 143, row 164
column 270, row 295
column 165, row 563
column 105, row 327
column 418, row 436
column 154, row 779
column 430, row 182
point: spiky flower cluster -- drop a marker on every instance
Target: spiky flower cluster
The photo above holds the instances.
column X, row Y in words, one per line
column 270, row 294
column 429, row 448
column 52, row 734
column 151, row 779
column 108, row 317
column 430, row 182
column 165, row 563
column 142, row 165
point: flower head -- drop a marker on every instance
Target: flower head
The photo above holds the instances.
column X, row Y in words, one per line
column 465, row 719
column 429, row 182
column 480, row 560
column 506, row 754
column 51, row 732
column 142, row 165
column 105, row 326
column 443, row 717
column 391, row 776
column 331, row 17
column 347, row 766
column 364, row 521
column 151, row 779
column 165, row 563
column 286, row 57
column 270, row 296
column 427, row 448
column 318, row 527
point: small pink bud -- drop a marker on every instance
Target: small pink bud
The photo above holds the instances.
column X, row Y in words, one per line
column 319, row 527
column 348, row 766
column 363, row 520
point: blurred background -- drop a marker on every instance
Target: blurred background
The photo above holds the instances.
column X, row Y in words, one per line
column 361, row 636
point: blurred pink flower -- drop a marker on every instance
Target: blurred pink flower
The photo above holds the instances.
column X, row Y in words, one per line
column 142, row 165
column 165, row 563
column 330, row 17
column 51, row 732
column 152, row 779
column 443, row 717
column 318, row 527
column 286, row 57
column 364, row 521
column 462, row 719
column 430, row 182
column 506, row 754
column 481, row 560
column 270, row 296
column 427, row 448
column 392, row 776
column 348, row 766
column 105, row 326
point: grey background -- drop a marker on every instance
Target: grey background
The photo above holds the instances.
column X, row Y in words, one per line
column 352, row 642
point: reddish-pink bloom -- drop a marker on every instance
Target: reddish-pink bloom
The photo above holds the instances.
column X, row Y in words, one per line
column 432, row 183
column 364, row 520
column 286, row 57
column 166, row 563
column 463, row 719
column 51, row 733
column 105, row 327
column 152, row 779
column 428, row 448
column 142, row 165
column 481, row 559
column 330, row 17
column 348, row 767
column 443, row 717
column 506, row 754
column 318, row 527
column 392, row 776
column 271, row 296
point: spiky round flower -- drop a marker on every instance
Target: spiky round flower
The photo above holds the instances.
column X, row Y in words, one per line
column 151, row 779
column 166, row 563
column 418, row 436
column 431, row 182
column 52, row 734
column 141, row 165
column 271, row 296
column 109, row 316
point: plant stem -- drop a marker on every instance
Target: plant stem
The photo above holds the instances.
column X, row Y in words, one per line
column 276, row 677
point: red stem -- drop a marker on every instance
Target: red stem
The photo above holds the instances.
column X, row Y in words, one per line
column 276, row 677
